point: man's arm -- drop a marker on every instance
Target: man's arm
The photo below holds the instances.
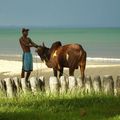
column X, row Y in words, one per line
column 33, row 44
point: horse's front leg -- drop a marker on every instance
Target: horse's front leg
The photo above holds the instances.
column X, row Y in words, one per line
column 55, row 72
column 71, row 71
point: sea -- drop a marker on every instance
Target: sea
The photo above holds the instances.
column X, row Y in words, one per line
column 99, row 43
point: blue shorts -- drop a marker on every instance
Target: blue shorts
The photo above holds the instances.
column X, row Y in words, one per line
column 27, row 62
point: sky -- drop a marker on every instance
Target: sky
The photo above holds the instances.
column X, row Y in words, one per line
column 60, row 13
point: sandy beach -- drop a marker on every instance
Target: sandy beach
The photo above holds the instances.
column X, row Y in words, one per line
column 12, row 67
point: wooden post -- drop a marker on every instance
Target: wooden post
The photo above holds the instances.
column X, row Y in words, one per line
column 17, row 84
column 54, row 85
column 80, row 85
column 9, row 87
column 118, row 85
column 24, row 85
column 88, row 84
column 2, row 87
column 63, row 85
column 97, row 84
column 108, row 85
column 79, row 82
column 34, row 83
column 72, row 83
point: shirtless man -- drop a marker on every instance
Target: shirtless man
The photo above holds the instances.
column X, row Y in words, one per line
column 26, row 43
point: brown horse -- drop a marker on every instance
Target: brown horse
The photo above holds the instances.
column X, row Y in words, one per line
column 58, row 57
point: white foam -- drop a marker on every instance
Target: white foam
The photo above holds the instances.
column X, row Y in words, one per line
column 103, row 59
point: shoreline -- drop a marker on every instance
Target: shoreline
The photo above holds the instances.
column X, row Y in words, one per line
column 18, row 57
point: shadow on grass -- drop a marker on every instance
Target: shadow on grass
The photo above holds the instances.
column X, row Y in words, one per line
column 82, row 108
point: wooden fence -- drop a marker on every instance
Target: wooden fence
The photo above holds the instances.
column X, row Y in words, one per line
column 11, row 87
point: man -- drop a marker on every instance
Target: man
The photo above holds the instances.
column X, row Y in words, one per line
column 26, row 43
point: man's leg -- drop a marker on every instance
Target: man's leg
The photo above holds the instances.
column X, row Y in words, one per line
column 27, row 76
column 22, row 73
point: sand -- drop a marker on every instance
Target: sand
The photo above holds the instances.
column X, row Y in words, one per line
column 14, row 67
column 9, row 68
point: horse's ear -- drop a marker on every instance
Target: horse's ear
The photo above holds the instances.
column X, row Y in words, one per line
column 43, row 44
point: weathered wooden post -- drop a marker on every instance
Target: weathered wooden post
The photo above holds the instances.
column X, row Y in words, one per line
column 79, row 82
column 63, row 85
column 9, row 87
column 34, row 83
column 24, row 85
column 54, row 85
column 2, row 88
column 17, row 84
column 80, row 85
column 72, row 83
column 88, row 84
column 97, row 84
column 42, row 83
column 108, row 85
column 118, row 85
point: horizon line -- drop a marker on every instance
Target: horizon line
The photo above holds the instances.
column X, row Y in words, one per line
column 44, row 27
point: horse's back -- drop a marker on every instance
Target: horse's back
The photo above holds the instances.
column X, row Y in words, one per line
column 72, row 48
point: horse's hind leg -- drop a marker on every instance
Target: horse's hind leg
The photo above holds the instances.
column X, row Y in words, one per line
column 71, row 71
column 82, row 70
column 55, row 72
column 61, row 72
column 82, row 67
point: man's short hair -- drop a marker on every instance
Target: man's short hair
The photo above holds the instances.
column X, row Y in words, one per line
column 24, row 30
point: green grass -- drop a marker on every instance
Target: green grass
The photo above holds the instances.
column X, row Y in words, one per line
column 61, row 107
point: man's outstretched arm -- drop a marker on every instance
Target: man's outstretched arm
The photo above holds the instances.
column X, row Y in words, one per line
column 33, row 44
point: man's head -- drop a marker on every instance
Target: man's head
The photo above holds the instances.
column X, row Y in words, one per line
column 25, row 32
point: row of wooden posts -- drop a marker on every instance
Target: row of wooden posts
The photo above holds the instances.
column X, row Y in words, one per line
column 11, row 87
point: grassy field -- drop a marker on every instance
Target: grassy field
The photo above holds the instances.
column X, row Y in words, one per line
column 60, row 107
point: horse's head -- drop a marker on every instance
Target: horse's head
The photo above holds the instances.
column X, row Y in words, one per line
column 42, row 51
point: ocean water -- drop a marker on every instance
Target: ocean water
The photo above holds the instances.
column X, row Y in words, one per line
column 98, row 42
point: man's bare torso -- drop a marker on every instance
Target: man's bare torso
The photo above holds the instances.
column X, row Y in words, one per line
column 25, row 44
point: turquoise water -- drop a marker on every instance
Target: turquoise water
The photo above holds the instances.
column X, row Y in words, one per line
column 98, row 42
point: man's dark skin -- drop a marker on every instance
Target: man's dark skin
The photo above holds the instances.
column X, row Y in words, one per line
column 26, row 43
